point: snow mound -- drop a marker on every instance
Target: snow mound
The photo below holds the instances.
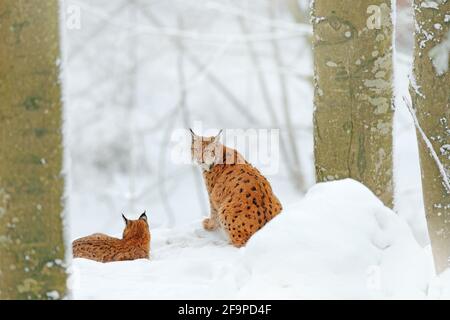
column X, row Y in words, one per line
column 340, row 241
column 440, row 287
column 184, row 264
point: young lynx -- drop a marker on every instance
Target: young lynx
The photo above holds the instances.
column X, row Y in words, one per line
column 241, row 199
column 134, row 245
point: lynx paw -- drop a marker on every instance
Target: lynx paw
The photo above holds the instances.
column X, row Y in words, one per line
column 210, row 224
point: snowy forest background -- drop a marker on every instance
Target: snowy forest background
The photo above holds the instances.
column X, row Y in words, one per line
column 137, row 73
column 138, row 70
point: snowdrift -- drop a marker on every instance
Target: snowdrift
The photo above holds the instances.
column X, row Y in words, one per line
column 340, row 241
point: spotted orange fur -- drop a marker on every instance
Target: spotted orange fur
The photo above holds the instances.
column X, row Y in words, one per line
column 241, row 198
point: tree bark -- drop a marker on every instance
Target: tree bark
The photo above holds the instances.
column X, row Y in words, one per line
column 353, row 115
column 31, row 183
column 430, row 93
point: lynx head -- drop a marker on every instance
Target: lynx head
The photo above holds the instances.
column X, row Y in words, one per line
column 136, row 228
column 206, row 151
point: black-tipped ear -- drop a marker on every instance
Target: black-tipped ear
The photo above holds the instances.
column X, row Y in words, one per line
column 125, row 219
column 143, row 216
column 217, row 138
column 193, row 135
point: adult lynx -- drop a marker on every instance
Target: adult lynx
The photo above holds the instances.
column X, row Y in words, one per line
column 241, row 199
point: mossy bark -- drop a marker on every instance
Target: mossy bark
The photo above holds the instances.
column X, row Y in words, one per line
column 353, row 115
column 31, row 184
column 430, row 93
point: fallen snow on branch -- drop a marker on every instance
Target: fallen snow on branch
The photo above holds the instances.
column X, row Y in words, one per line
column 442, row 171
column 440, row 56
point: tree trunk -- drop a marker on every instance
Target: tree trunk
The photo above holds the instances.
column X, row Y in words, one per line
column 353, row 116
column 31, row 183
column 430, row 93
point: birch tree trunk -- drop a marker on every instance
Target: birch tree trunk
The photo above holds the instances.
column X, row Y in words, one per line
column 31, row 185
column 353, row 93
column 430, row 92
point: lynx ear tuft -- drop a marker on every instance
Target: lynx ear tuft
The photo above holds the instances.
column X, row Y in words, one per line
column 217, row 138
column 143, row 216
column 125, row 219
column 192, row 133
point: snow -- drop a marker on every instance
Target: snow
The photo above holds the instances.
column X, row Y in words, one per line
column 429, row 4
column 336, row 242
column 440, row 288
column 340, row 241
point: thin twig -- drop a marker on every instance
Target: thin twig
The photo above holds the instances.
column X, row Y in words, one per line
column 445, row 178
column 78, row 49
column 303, row 29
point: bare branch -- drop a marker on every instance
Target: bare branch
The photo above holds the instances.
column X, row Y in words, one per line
column 433, row 154
column 297, row 167
column 239, row 106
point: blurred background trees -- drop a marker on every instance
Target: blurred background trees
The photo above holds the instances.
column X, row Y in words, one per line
column 136, row 71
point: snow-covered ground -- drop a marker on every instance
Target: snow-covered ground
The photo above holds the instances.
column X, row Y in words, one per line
column 338, row 242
